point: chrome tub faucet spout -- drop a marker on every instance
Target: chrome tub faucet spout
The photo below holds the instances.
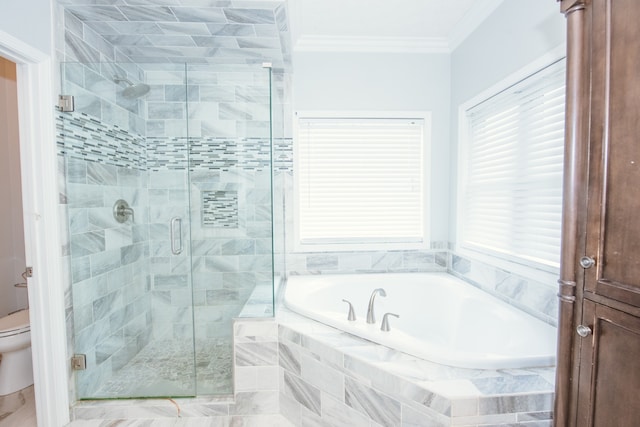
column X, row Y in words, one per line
column 371, row 317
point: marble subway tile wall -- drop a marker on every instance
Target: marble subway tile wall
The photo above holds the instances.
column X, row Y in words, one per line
column 101, row 159
column 254, row 403
column 331, row 378
column 108, row 260
column 367, row 262
column 89, row 66
column 97, row 94
column 170, row 264
column 536, row 297
column 208, row 155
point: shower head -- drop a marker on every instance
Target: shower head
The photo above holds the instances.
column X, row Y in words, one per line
column 132, row 91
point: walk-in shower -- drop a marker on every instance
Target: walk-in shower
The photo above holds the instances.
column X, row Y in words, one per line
column 169, row 204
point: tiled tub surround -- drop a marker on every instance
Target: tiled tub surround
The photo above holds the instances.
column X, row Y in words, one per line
column 536, row 297
column 331, row 378
column 315, row 375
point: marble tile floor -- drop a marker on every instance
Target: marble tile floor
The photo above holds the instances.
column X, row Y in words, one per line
column 232, row 421
column 18, row 409
column 166, row 368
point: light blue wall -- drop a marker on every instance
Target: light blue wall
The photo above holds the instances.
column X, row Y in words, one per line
column 384, row 82
column 515, row 35
column 29, row 21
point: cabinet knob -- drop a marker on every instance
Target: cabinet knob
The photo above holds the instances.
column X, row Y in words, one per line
column 583, row 331
column 587, row 262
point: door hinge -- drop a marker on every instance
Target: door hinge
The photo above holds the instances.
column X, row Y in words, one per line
column 65, row 103
column 28, row 272
column 79, row 362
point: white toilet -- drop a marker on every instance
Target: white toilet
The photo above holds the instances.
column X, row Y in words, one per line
column 16, row 370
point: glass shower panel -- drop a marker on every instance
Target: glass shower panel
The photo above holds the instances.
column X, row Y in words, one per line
column 126, row 198
column 231, row 209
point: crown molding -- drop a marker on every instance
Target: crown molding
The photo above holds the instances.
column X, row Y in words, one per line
column 371, row 44
column 471, row 20
column 463, row 29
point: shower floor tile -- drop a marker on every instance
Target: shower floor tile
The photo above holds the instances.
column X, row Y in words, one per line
column 169, row 369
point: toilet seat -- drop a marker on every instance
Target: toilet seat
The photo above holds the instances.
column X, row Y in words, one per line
column 15, row 323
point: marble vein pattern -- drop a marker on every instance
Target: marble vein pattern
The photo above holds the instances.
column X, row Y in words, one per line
column 378, row 407
column 154, row 26
column 303, row 392
column 381, row 386
column 227, row 421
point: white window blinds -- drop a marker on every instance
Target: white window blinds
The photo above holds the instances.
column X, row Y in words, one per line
column 512, row 195
column 360, row 180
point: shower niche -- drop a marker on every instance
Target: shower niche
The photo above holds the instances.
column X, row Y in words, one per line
column 155, row 290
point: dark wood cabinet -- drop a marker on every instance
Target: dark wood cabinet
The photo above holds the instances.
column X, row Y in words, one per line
column 598, row 377
column 610, row 368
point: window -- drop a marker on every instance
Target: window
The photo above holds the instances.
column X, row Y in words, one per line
column 511, row 171
column 360, row 181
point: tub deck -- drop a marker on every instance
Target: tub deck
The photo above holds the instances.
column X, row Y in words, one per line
column 394, row 388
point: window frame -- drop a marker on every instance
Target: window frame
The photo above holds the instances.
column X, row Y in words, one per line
column 518, row 265
column 424, row 243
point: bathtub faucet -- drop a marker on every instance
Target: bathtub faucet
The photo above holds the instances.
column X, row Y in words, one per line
column 371, row 318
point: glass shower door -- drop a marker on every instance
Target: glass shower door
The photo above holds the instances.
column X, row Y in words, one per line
column 167, row 173
column 231, row 209
column 128, row 221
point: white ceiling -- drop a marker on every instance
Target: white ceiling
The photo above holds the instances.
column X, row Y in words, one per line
column 409, row 25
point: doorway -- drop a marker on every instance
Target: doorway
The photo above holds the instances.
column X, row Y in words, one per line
column 35, row 94
column 12, row 258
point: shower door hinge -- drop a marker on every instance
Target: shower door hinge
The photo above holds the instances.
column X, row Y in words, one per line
column 79, row 362
column 65, row 103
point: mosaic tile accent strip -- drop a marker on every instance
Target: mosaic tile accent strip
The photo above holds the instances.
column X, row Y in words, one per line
column 220, row 209
column 84, row 137
column 165, row 153
column 283, row 155
column 224, row 154
column 81, row 136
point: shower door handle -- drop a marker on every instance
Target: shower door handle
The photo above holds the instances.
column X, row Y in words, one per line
column 176, row 235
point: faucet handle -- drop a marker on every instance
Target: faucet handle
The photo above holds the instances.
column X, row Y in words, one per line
column 122, row 211
column 352, row 314
column 385, row 321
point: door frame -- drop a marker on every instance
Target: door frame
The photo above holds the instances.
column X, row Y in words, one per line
column 38, row 162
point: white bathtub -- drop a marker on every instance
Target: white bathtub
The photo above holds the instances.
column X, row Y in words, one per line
column 442, row 319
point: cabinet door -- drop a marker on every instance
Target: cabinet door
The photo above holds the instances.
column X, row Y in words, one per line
column 613, row 224
column 609, row 369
